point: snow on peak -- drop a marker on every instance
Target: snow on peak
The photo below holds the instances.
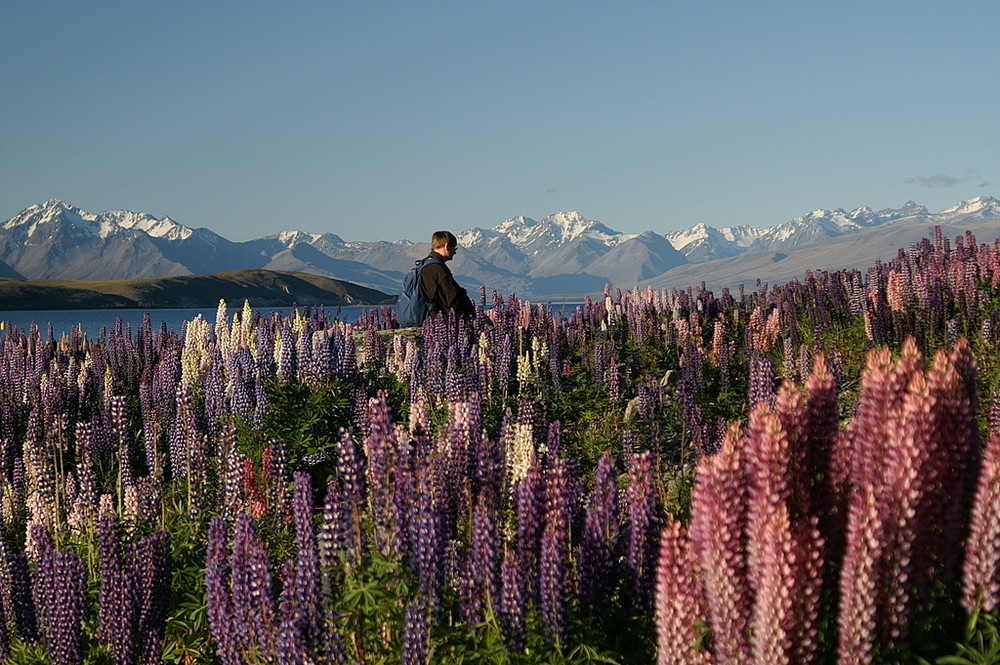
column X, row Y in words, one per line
column 981, row 204
column 293, row 238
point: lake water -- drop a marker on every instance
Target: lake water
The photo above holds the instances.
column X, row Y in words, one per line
column 91, row 321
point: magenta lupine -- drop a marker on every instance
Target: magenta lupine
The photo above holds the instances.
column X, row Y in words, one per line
column 785, row 548
column 679, row 603
column 981, row 574
column 718, row 544
column 860, row 578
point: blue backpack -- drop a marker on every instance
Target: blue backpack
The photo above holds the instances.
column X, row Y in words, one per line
column 411, row 309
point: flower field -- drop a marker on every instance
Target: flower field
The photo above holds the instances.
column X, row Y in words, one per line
column 801, row 473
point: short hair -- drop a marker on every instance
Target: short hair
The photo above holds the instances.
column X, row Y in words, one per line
column 443, row 239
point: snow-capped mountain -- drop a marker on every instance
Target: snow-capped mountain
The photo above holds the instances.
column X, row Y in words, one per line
column 702, row 242
column 562, row 254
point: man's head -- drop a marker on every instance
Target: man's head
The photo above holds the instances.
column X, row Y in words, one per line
column 444, row 243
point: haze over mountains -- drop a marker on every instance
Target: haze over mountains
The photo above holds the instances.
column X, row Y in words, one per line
column 562, row 255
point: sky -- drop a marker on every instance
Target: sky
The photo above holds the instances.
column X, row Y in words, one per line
column 386, row 120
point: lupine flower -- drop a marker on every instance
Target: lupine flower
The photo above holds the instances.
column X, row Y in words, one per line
column 218, row 595
column 416, row 636
column 529, row 498
column 512, row 601
column 679, row 605
column 718, row 544
column 600, row 535
column 553, row 570
column 640, row 545
column 981, row 579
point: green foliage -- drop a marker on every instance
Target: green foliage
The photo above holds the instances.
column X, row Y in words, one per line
column 981, row 645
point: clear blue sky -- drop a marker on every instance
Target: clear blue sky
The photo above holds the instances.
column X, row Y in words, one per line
column 385, row 120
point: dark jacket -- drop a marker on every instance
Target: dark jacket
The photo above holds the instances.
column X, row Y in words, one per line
column 438, row 286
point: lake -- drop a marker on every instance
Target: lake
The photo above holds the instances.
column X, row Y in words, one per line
column 91, row 321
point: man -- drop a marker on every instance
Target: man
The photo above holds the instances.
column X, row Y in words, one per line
column 437, row 285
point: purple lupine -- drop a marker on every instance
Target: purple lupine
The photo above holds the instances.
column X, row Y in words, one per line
column 640, row 541
column 218, row 595
column 16, row 593
column 67, row 605
column 254, row 617
column 150, row 568
column 513, row 597
column 600, row 536
column 118, row 609
column 486, row 552
column 426, row 537
column 416, row 635
column 308, row 621
column 529, row 497
column 553, row 563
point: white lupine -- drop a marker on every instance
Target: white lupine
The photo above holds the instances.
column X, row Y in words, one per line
column 195, row 357
column 520, row 451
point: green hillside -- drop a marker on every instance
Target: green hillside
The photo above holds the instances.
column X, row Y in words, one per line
column 262, row 288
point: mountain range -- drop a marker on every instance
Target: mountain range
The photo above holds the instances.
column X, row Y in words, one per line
column 562, row 255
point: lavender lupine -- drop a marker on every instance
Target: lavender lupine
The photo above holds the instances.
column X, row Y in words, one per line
column 679, row 604
column 383, row 460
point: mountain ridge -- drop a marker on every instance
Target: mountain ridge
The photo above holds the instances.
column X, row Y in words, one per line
column 261, row 288
column 563, row 253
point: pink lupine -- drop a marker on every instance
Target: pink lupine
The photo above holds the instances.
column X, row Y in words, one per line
column 860, row 578
column 981, row 574
column 718, row 542
column 679, row 603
